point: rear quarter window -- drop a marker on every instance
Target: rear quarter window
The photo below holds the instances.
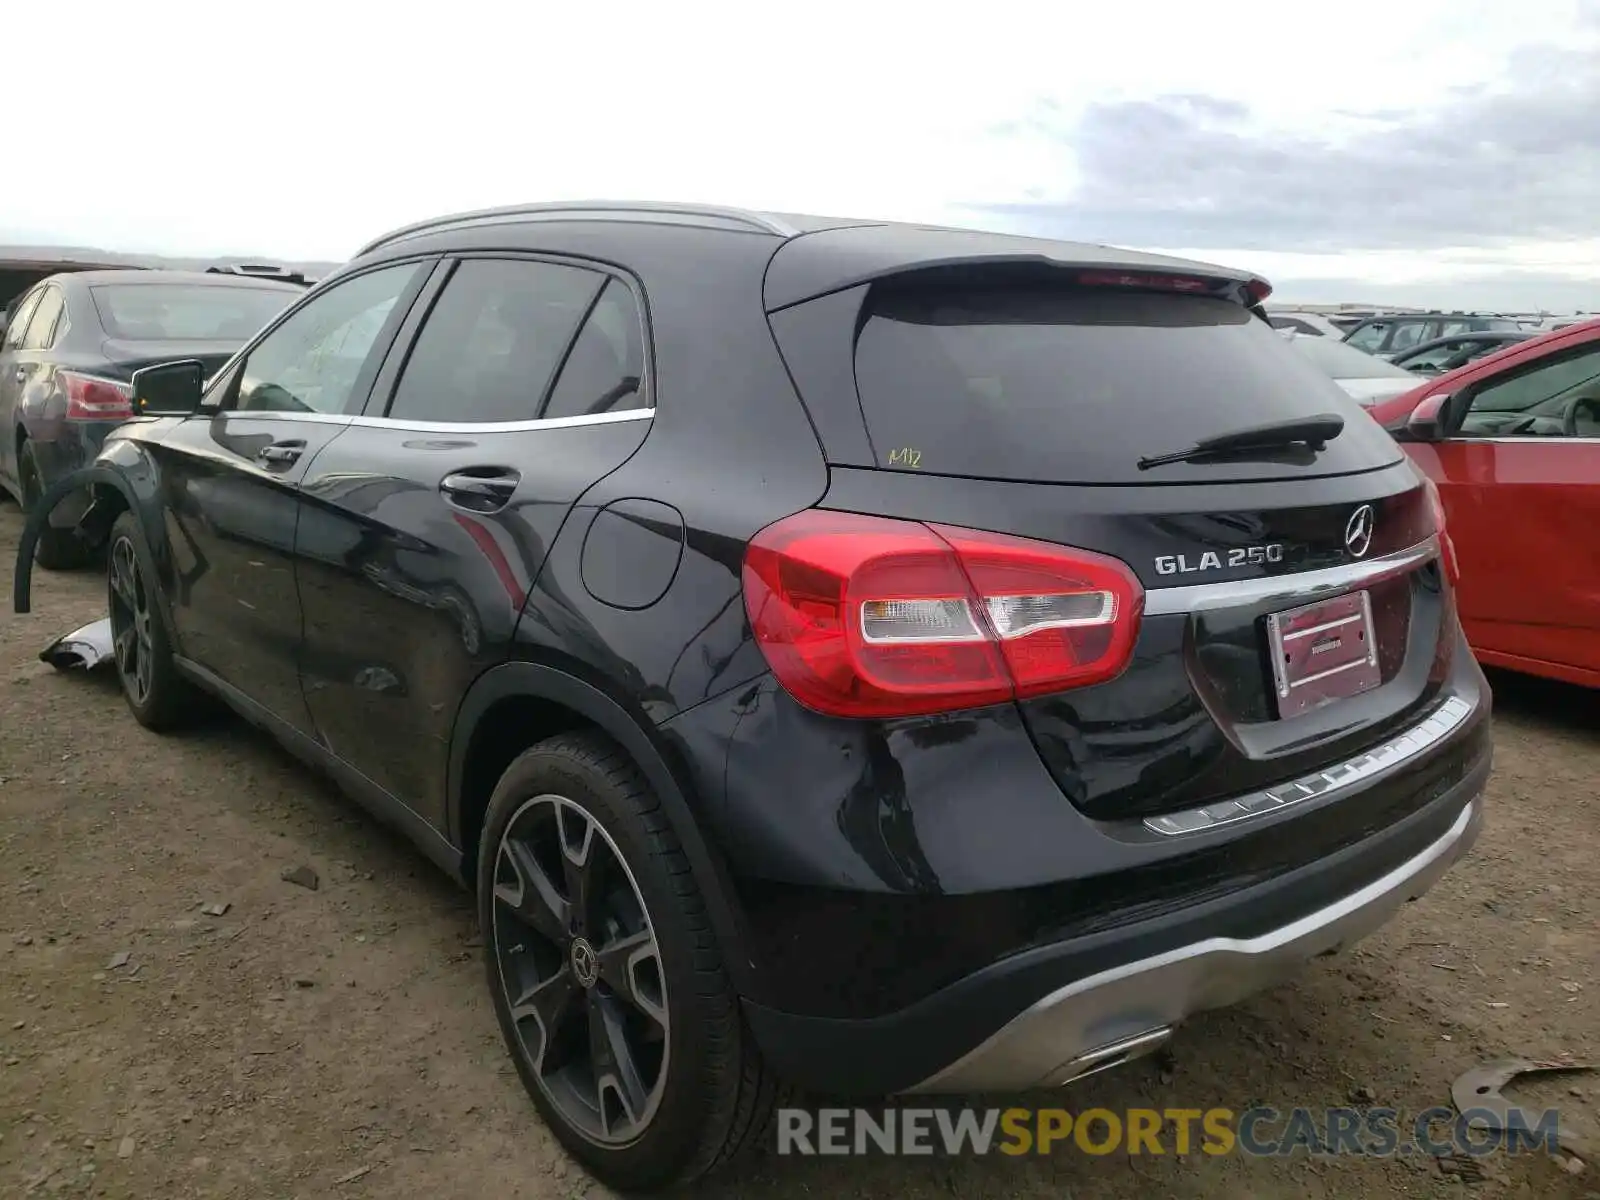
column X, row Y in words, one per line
column 1067, row 384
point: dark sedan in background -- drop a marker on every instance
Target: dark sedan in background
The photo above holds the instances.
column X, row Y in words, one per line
column 1448, row 353
column 71, row 344
column 1390, row 334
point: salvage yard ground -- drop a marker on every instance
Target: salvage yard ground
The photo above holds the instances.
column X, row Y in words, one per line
column 339, row 1041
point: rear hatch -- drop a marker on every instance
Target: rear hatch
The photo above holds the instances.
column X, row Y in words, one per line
column 1014, row 403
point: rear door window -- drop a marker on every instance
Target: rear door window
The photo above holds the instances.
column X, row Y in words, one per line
column 493, row 341
column 1408, row 334
column 1369, row 337
column 19, row 321
column 1043, row 382
column 604, row 371
column 42, row 328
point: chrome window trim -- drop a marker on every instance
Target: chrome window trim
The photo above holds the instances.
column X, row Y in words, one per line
column 1438, row 725
column 1290, row 589
column 632, row 414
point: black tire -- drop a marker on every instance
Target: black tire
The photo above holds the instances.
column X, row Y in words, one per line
column 159, row 697
column 710, row 1097
column 57, row 549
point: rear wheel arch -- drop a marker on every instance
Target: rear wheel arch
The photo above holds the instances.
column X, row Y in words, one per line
column 113, row 496
column 512, row 707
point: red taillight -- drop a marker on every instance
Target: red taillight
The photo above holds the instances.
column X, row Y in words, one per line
column 872, row 617
column 1447, row 548
column 1255, row 291
column 92, row 399
column 1139, row 279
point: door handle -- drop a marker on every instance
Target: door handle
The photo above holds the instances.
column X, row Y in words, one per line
column 21, row 373
column 282, row 452
column 481, row 489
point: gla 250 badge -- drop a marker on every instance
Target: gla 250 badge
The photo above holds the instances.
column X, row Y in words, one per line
column 1212, row 560
column 1357, row 541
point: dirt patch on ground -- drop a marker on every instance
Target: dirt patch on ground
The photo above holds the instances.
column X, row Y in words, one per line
column 339, row 1042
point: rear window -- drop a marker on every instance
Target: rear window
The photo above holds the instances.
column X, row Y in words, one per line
column 176, row 312
column 1039, row 382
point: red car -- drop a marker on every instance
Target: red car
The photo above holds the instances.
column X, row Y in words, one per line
column 1512, row 441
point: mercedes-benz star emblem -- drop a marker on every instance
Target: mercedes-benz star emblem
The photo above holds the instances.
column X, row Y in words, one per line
column 585, row 963
column 1358, row 531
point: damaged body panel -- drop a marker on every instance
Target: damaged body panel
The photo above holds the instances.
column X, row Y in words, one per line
column 87, row 647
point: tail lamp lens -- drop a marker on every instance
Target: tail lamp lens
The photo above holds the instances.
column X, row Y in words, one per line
column 92, row 399
column 1447, row 548
column 873, row 617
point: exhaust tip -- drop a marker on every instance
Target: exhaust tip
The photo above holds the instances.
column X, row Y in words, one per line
column 1113, row 1054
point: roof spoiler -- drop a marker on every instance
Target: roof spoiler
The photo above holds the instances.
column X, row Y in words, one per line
column 262, row 271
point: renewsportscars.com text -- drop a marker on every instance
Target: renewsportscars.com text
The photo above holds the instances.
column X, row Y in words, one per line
column 1258, row 1132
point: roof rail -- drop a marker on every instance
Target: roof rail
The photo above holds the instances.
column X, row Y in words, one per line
column 758, row 222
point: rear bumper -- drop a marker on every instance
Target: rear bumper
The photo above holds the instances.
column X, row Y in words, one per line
column 1112, row 1017
column 1056, row 1011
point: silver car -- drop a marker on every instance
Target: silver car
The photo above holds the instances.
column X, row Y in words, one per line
column 1366, row 379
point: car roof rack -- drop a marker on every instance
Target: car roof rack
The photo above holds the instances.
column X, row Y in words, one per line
column 745, row 218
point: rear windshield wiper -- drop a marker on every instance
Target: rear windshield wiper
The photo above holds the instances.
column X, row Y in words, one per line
column 1313, row 432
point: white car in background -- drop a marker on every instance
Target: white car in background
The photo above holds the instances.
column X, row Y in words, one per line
column 1308, row 323
column 1366, row 379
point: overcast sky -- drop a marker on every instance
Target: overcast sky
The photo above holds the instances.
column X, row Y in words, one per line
column 1442, row 151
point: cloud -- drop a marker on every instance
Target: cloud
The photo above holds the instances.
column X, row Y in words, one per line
column 1488, row 165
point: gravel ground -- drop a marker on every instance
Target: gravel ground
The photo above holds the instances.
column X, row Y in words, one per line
column 338, row 1042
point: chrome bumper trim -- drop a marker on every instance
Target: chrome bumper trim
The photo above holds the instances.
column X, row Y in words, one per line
column 1444, row 720
column 1049, row 1043
column 1288, row 590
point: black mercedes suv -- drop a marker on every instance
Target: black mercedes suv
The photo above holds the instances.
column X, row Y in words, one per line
column 839, row 655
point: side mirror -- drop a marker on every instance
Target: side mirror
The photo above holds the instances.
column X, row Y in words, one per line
column 1430, row 419
column 168, row 389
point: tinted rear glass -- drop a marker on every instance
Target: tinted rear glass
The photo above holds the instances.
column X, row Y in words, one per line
column 1040, row 382
column 177, row 312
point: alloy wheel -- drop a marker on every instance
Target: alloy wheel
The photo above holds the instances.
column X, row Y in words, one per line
column 581, row 970
column 130, row 621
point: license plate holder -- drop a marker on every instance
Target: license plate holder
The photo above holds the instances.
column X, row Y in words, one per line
column 1322, row 652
